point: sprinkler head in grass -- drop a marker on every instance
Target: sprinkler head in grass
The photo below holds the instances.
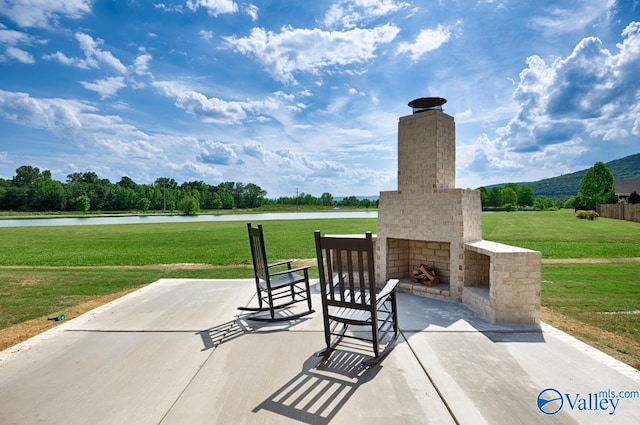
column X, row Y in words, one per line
column 60, row 317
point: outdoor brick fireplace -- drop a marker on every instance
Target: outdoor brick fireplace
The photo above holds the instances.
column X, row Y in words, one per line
column 428, row 221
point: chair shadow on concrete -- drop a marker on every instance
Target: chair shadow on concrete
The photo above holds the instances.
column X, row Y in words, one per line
column 239, row 325
column 323, row 386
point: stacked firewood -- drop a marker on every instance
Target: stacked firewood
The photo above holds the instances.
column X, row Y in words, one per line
column 425, row 275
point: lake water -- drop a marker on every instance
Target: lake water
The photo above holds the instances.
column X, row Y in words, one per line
column 139, row 219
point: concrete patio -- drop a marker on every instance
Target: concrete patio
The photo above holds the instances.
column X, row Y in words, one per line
column 176, row 352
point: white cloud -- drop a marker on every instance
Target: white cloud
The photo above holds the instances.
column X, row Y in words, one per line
column 429, row 40
column 214, row 7
column 62, row 58
column 296, row 166
column 566, row 17
column 310, row 50
column 252, row 10
column 43, row 13
column 464, row 115
column 355, row 132
column 19, row 55
column 94, row 56
column 76, row 122
column 12, row 37
column 141, row 64
column 213, row 109
column 351, row 13
column 205, row 35
column 586, row 103
column 107, row 87
column 218, row 153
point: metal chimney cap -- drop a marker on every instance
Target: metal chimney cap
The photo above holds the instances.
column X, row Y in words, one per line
column 428, row 103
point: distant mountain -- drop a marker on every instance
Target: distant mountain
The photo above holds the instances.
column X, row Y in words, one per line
column 567, row 185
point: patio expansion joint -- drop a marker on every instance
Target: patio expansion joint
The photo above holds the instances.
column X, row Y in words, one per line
column 431, row 380
column 232, row 323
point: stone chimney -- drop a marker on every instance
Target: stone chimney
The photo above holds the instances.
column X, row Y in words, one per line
column 428, row 221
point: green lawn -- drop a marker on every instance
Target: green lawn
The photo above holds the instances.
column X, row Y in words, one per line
column 216, row 243
column 61, row 266
column 58, row 267
column 558, row 234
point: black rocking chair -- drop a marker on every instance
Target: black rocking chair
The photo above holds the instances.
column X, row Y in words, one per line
column 278, row 285
column 349, row 295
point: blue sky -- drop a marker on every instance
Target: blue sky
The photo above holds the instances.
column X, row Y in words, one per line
column 305, row 95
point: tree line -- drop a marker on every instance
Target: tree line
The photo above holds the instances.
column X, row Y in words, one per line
column 34, row 190
column 596, row 187
column 512, row 196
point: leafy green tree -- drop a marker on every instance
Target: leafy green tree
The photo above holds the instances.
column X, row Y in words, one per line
column 227, row 200
column 4, row 188
column 144, row 204
column 27, row 175
column 350, row 201
column 47, row 195
column 326, row 199
column 509, row 196
column 215, row 201
column 634, row 198
column 82, row 203
column 596, row 187
column 484, row 196
column 253, row 195
column 525, row 196
column 495, row 197
column 190, row 205
column 544, row 203
column 127, row 182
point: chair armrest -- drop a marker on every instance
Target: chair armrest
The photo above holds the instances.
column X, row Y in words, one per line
column 295, row 269
column 387, row 290
column 279, row 263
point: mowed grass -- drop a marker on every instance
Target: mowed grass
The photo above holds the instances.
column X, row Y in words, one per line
column 44, row 270
column 559, row 234
column 597, row 303
column 214, row 243
column 59, row 267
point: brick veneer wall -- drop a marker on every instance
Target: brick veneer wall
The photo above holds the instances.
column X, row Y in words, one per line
column 513, row 291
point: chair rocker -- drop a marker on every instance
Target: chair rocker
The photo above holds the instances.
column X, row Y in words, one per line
column 350, row 297
column 278, row 285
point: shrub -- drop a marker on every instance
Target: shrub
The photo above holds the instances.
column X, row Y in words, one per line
column 587, row 215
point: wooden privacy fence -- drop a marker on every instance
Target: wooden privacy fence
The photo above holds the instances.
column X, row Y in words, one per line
column 630, row 212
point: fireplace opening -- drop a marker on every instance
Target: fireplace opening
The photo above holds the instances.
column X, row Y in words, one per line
column 406, row 255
